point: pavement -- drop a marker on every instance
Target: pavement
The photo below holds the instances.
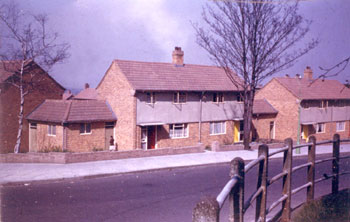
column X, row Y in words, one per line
column 13, row 173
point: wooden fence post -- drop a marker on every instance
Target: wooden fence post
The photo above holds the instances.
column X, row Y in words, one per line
column 206, row 210
column 236, row 199
column 335, row 163
column 262, row 182
column 287, row 181
column 311, row 169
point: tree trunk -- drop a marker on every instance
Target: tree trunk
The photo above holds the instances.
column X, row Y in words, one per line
column 21, row 107
column 247, row 119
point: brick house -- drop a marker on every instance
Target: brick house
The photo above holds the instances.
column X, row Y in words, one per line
column 43, row 87
column 306, row 106
column 71, row 125
column 171, row 104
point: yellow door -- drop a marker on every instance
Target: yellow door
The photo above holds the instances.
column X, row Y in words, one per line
column 236, row 132
column 305, row 133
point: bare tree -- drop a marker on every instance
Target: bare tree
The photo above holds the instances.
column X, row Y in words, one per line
column 252, row 40
column 25, row 38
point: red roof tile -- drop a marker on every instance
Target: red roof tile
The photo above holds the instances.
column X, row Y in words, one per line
column 168, row 77
column 69, row 111
column 88, row 93
column 315, row 89
column 262, row 106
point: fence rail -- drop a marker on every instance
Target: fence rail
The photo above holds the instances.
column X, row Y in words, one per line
column 208, row 209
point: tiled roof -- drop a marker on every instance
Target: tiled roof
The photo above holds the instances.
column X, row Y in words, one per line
column 315, row 89
column 168, row 77
column 262, row 106
column 88, row 93
column 69, row 111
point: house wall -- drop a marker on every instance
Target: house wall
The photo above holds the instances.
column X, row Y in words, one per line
column 115, row 88
column 164, row 141
column 330, row 130
column 77, row 142
column 165, row 111
column 46, row 88
column 317, row 115
column 261, row 125
column 286, row 121
column 47, row 143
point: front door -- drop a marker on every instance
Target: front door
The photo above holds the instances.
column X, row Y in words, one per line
column 33, row 146
column 151, row 134
column 148, row 137
column 109, row 131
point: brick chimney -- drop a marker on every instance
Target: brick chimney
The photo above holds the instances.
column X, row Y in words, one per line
column 308, row 73
column 178, row 56
column 87, row 85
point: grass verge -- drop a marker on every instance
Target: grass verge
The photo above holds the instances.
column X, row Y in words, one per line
column 330, row 208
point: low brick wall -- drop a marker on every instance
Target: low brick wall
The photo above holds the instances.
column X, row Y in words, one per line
column 233, row 147
column 55, row 157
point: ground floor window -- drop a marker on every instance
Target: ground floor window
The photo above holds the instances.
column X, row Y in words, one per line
column 320, row 128
column 178, row 130
column 340, row 126
column 85, row 128
column 51, row 130
column 217, row 128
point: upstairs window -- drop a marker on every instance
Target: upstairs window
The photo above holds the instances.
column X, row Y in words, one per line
column 151, row 98
column 240, row 98
column 218, row 97
column 323, row 104
column 85, row 128
column 180, row 97
column 51, row 130
column 217, row 128
column 178, row 130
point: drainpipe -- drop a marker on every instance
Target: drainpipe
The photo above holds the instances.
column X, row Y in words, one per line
column 200, row 118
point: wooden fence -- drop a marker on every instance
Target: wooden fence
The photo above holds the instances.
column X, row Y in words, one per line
column 208, row 209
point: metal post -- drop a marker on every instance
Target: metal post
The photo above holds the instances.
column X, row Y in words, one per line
column 262, row 182
column 206, row 210
column 287, row 181
column 311, row 169
column 236, row 199
column 335, row 165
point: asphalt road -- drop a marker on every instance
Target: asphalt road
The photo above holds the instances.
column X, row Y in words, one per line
column 166, row 195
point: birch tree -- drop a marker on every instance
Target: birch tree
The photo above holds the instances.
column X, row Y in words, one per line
column 253, row 40
column 26, row 38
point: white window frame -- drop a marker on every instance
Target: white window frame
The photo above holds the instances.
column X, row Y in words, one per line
column 151, row 98
column 51, row 130
column 217, row 125
column 184, row 133
column 323, row 128
column 218, row 97
column 177, row 95
column 85, row 129
column 338, row 124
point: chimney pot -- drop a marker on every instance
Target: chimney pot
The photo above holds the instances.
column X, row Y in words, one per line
column 178, row 56
column 308, row 73
column 87, row 85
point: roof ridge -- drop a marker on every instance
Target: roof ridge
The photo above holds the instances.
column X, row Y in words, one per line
column 168, row 63
column 66, row 114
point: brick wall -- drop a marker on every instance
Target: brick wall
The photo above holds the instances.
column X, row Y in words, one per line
column 286, row 123
column 77, row 142
column 46, row 88
column 261, row 124
column 115, row 88
column 330, row 130
column 163, row 139
column 47, row 142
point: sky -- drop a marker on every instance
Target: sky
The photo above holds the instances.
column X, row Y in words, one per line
column 100, row 31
